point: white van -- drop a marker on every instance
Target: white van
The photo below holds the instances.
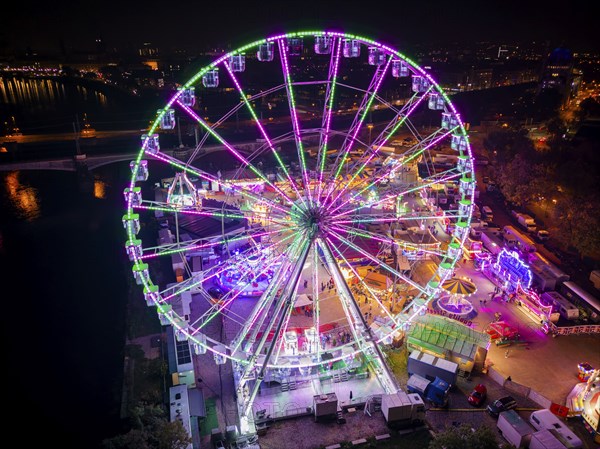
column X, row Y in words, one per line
column 486, row 212
column 545, row 419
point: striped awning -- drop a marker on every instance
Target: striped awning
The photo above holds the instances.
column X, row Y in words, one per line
column 459, row 286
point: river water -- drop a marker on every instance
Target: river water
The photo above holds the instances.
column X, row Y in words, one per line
column 61, row 254
column 65, row 279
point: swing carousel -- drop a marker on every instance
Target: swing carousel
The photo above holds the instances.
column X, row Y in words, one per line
column 455, row 292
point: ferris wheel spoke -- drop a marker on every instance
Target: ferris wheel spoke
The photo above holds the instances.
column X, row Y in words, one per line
column 327, row 110
column 365, row 340
column 224, row 184
column 294, row 116
column 365, row 285
column 411, row 154
column 197, row 280
column 446, row 176
column 217, row 308
column 386, row 173
column 391, row 217
column 256, row 320
column 377, row 261
column 316, row 298
column 197, row 244
column 411, row 246
column 170, row 208
column 286, row 302
column 359, row 118
column 390, row 129
column 235, row 152
column 352, row 313
column 261, row 129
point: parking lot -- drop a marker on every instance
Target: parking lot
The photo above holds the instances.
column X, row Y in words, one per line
column 304, row 433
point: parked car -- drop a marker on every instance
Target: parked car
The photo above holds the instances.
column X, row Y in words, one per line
column 501, row 405
column 542, row 235
column 478, row 395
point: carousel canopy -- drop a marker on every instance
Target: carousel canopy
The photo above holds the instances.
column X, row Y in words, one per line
column 459, row 286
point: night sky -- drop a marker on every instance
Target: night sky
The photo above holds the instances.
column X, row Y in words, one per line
column 121, row 24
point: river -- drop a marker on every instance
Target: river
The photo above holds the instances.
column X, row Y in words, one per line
column 65, row 279
column 61, row 254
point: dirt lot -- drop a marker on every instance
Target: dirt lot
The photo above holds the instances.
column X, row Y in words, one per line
column 304, row 433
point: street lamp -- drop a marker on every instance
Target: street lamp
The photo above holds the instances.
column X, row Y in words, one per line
column 370, row 127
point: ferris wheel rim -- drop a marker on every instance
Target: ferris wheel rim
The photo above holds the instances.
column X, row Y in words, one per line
column 275, row 39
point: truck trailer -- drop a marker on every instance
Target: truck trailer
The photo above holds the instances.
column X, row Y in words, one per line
column 435, row 391
column 514, row 429
column 430, row 367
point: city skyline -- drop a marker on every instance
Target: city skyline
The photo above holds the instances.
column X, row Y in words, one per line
column 123, row 26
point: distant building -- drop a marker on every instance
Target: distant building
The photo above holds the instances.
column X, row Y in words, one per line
column 558, row 74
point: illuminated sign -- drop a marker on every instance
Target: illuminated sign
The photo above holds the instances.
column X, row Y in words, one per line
column 513, row 268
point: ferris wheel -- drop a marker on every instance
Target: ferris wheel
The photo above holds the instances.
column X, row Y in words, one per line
column 341, row 201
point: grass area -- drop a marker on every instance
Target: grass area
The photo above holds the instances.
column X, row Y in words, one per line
column 397, row 360
column 211, row 421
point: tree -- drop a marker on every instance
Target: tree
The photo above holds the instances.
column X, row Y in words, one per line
column 150, row 429
column 171, row 435
column 464, row 437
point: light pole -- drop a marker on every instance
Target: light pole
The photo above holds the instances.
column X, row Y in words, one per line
column 370, row 127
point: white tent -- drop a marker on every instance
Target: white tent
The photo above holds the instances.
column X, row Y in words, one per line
column 302, row 300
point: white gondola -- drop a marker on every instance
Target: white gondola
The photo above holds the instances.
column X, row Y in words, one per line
column 464, row 207
column 151, row 295
column 449, row 120
column 464, row 164
column 265, row 52
column 211, row 78
column 134, row 249
column 461, row 229
column 165, row 314
column 133, row 221
column 187, row 96
column 455, row 250
column 183, row 193
column 467, row 186
column 436, row 101
column 237, row 63
column 444, row 270
column 151, row 142
column 133, row 195
column 459, row 142
column 399, row 69
column 430, row 289
column 219, row 354
column 167, row 120
column 295, row 46
column 140, row 273
column 142, row 170
column 419, row 84
column 376, row 56
column 351, row 48
column 323, row 45
column 198, row 343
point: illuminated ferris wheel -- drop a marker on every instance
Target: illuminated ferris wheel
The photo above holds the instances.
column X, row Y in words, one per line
column 342, row 201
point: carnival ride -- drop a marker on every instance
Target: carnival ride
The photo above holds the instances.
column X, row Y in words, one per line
column 321, row 196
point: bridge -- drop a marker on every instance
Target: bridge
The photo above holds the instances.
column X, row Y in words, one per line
column 95, row 161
